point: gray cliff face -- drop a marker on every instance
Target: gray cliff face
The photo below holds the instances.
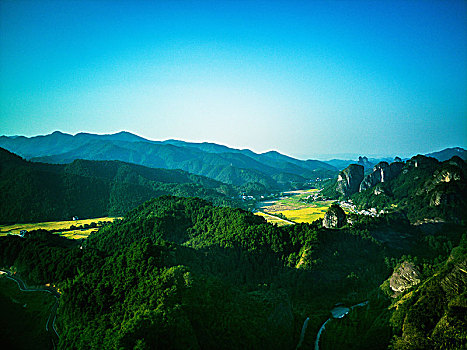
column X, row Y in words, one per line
column 382, row 172
column 334, row 217
column 349, row 179
column 406, row 276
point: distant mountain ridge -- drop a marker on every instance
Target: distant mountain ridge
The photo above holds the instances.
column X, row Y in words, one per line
column 239, row 167
column 271, row 170
column 448, row 153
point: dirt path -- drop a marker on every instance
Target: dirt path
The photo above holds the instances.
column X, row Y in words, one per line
column 277, row 217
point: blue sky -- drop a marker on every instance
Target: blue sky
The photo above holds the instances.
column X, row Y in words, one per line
column 305, row 78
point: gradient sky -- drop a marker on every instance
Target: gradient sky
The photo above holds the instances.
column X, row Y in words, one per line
column 305, row 78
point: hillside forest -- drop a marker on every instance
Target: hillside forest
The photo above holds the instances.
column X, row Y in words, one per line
column 179, row 271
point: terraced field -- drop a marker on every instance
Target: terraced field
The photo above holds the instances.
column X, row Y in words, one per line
column 294, row 206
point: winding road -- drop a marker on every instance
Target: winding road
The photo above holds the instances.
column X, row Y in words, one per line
column 337, row 312
column 53, row 311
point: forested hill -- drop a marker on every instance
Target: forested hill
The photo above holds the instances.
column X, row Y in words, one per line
column 180, row 273
column 40, row 192
column 270, row 170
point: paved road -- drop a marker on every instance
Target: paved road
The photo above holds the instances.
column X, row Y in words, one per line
column 340, row 315
column 53, row 311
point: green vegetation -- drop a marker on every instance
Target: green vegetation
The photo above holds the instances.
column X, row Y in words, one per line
column 424, row 189
column 365, row 327
column 23, row 317
column 428, row 190
column 270, row 170
column 179, row 273
column 32, row 192
column 430, row 315
column 277, row 220
column 74, row 229
column 434, row 314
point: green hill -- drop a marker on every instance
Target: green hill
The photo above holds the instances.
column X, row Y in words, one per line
column 42, row 192
column 181, row 273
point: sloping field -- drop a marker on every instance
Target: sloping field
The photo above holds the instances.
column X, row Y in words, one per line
column 291, row 200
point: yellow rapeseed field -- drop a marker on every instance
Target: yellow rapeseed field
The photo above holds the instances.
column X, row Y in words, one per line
column 309, row 214
column 295, row 207
column 63, row 226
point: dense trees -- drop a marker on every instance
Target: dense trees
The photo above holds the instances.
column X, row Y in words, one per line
column 182, row 273
column 424, row 189
column 45, row 192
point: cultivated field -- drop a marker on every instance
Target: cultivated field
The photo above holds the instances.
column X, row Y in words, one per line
column 65, row 227
column 308, row 214
column 295, row 208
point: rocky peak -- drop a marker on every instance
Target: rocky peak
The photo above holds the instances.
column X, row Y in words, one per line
column 334, row 217
column 349, row 179
column 382, row 172
column 363, row 161
column 404, row 277
column 421, row 161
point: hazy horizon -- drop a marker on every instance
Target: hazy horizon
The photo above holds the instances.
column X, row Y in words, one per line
column 323, row 156
column 308, row 79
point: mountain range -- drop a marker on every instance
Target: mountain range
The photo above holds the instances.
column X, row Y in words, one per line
column 222, row 163
column 271, row 170
column 184, row 273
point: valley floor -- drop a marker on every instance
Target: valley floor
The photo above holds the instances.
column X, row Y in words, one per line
column 296, row 206
column 74, row 229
